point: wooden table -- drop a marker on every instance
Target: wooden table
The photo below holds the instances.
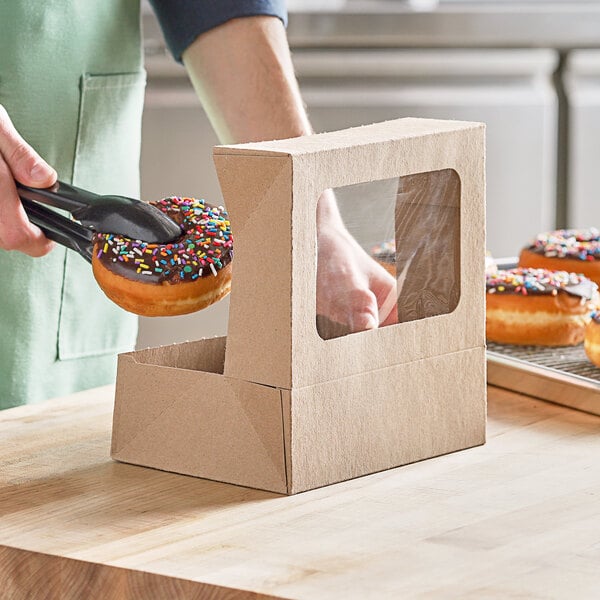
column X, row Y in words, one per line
column 516, row 518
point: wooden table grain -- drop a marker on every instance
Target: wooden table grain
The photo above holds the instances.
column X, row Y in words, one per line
column 516, row 518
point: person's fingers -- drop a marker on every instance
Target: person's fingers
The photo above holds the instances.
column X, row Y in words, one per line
column 352, row 288
column 23, row 161
column 362, row 321
column 355, row 308
column 362, row 310
column 19, row 161
column 16, row 231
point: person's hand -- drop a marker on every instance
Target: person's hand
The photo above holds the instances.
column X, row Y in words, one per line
column 352, row 289
column 20, row 161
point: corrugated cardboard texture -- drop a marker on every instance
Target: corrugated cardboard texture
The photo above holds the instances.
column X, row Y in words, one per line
column 258, row 335
column 386, row 418
column 198, row 423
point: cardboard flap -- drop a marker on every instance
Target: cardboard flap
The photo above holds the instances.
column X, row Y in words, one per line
column 207, row 354
column 258, row 195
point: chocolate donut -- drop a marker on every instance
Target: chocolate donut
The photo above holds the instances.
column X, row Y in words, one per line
column 538, row 307
column 181, row 277
column 573, row 250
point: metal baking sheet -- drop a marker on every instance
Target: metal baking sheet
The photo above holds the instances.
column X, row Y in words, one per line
column 563, row 375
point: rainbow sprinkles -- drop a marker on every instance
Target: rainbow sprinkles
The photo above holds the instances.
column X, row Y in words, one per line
column 526, row 281
column 205, row 246
column 581, row 244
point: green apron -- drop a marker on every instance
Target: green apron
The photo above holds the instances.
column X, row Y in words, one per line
column 72, row 81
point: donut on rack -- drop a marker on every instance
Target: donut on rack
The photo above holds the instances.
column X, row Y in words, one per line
column 181, row 277
column 573, row 250
column 592, row 339
column 538, row 307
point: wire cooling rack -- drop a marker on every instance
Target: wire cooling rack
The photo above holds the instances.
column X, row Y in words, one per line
column 570, row 360
column 562, row 375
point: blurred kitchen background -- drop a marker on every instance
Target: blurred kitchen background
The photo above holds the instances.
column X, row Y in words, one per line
column 530, row 70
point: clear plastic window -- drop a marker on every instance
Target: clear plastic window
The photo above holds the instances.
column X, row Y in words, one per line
column 393, row 257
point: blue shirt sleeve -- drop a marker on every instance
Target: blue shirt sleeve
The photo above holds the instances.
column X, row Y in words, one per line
column 182, row 21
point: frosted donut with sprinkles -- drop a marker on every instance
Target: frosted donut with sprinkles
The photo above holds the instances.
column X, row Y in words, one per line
column 538, row 307
column 573, row 250
column 181, row 277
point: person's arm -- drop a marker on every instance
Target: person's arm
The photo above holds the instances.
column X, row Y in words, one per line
column 243, row 74
column 244, row 77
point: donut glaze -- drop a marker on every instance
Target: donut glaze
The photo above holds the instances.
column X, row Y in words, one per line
column 592, row 339
column 183, row 276
column 573, row 250
column 538, row 307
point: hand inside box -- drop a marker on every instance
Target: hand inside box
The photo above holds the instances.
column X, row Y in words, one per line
column 353, row 290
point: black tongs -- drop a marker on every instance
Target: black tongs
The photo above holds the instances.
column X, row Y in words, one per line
column 103, row 214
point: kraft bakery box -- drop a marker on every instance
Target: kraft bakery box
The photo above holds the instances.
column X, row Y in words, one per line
column 281, row 405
